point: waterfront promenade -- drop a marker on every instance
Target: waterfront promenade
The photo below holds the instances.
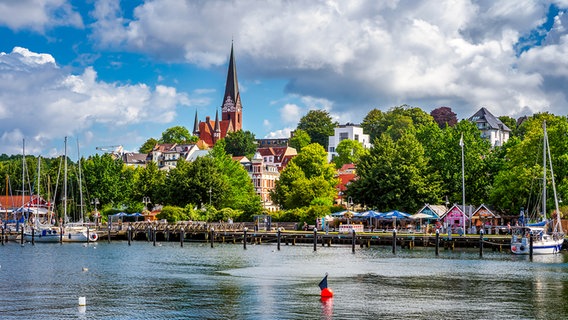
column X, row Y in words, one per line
column 286, row 234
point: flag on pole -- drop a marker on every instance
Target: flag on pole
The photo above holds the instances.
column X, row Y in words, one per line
column 461, row 140
column 323, row 282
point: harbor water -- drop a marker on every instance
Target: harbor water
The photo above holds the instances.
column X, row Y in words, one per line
column 195, row 281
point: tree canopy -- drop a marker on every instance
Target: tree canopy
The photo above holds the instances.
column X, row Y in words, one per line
column 319, row 126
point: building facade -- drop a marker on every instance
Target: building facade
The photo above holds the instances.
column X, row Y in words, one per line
column 346, row 131
column 492, row 129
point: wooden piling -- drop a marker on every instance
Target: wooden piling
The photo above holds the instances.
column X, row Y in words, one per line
column 481, row 243
column 181, row 236
column 129, row 236
column 278, row 239
column 245, row 238
column 33, row 236
column 353, row 240
column 315, row 239
column 437, row 242
column 154, row 236
column 22, row 236
column 394, row 241
column 3, row 235
column 212, row 237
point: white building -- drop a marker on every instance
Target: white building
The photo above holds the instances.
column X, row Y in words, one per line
column 347, row 131
column 492, row 129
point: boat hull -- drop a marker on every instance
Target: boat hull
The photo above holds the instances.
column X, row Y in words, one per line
column 551, row 246
column 42, row 236
column 79, row 234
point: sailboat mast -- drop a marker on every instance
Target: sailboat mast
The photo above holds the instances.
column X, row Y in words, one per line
column 544, row 146
column 80, row 182
column 23, row 175
column 37, row 188
column 65, row 183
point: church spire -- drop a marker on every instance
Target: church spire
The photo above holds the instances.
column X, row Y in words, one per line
column 196, row 125
column 232, row 108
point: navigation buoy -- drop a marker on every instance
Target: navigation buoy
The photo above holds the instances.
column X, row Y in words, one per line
column 82, row 301
column 325, row 291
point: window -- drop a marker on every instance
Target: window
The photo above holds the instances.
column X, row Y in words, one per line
column 356, row 137
column 331, row 149
column 343, row 136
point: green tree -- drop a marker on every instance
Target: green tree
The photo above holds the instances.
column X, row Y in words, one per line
column 371, row 124
column 149, row 182
column 177, row 134
column 300, row 139
column 392, row 176
column 240, row 194
column 318, row 125
column 348, row 151
column 306, row 177
column 148, row 146
column 240, row 143
column 105, row 180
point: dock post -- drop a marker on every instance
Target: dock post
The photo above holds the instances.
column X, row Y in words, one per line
column 60, row 234
column 437, row 242
column 278, row 239
column 33, row 236
column 109, row 233
column 212, row 236
column 481, row 243
column 181, row 236
column 167, row 233
column 394, row 241
column 129, row 234
column 531, row 246
column 22, row 236
column 154, row 236
column 353, row 240
column 315, row 238
column 245, row 238
column 3, row 234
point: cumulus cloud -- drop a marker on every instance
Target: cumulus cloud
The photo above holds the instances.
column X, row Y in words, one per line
column 38, row 15
column 362, row 54
column 43, row 102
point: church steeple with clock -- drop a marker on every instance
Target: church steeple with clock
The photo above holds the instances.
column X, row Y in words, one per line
column 232, row 108
column 208, row 131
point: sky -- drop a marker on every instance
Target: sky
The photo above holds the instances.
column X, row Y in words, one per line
column 109, row 72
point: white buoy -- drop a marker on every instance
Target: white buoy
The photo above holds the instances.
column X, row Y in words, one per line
column 82, row 301
column 85, row 269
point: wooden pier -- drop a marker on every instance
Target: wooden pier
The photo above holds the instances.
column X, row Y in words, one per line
column 285, row 234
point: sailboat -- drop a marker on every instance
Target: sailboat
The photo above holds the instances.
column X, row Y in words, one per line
column 39, row 228
column 547, row 235
column 75, row 231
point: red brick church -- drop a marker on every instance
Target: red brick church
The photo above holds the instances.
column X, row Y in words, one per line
column 211, row 131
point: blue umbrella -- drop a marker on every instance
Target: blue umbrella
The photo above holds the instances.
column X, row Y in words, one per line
column 395, row 214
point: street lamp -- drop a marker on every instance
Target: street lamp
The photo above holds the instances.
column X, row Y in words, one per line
column 145, row 201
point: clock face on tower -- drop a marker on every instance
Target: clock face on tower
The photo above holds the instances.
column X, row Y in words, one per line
column 229, row 105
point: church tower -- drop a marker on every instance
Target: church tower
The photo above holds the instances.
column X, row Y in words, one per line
column 231, row 110
column 209, row 131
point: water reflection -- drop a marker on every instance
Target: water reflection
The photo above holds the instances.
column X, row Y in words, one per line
column 327, row 308
column 196, row 282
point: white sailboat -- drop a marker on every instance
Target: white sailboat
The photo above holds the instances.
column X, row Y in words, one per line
column 547, row 235
column 75, row 231
column 39, row 228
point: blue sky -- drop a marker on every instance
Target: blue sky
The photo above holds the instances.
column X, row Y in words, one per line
column 115, row 72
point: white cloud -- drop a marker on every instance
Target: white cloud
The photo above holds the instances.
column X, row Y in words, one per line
column 44, row 102
column 359, row 54
column 282, row 133
column 291, row 113
column 38, row 15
